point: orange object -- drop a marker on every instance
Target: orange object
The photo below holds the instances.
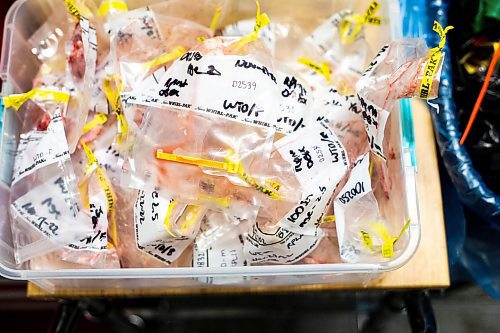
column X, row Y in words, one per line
column 479, row 100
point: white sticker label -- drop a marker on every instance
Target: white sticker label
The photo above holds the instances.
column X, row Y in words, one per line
column 278, row 247
column 314, row 151
column 38, row 149
column 375, row 120
column 359, row 182
column 48, row 208
column 233, row 87
column 220, row 244
column 152, row 235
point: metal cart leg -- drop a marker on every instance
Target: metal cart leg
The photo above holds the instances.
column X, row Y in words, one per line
column 420, row 312
column 104, row 311
column 67, row 316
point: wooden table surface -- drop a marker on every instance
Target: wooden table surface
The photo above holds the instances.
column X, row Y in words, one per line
column 427, row 269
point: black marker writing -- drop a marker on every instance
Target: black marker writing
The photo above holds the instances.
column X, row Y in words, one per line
column 170, row 91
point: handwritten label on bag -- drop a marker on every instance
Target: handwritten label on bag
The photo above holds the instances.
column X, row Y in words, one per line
column 108, row 158
column 38, row 149
column 332, row 107
column 312, row 151
column 364, row 81
column 48, row 207
column 151, row 234
column 99, row 216
column 219, row 243
column 359, row 182
column 375, row 120
column 279, row 246
column 238, row 88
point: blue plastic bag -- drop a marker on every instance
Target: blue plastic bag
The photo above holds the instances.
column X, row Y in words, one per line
column 472, row 221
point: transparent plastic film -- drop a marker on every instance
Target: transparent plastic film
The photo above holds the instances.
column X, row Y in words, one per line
column 98, row 202
column 199, row 160
column 363, row 235
column 86, row 52
column 339, row 48
column 287, row 232
column 143, row 42
column 220, row 244
column 240, row 83
column 44, row 201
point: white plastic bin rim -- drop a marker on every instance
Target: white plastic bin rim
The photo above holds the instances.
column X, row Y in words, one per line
column 7, row 271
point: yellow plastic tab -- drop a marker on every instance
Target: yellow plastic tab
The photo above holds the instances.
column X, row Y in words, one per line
column 15, row 101
column 77, row 8
column 388, row 249
column 388, row 242
column 328, row 219
column 99, row 119
column 261, row 20
column 367, row 240
column 221, row 202
column 112, row 86
column 166, row 221
column 274, row 184
column 92, row 165
column 112, row 6
column 190, row 215
column 432, row 65
column 215, row 19
column 163, row 59
column 269, row 191
column 187, row 219
column 407, row 224
column 323, row 68
column 352, row 24
column 229, row 166
column 380, row 230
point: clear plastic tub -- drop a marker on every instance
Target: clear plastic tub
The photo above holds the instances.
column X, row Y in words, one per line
column 18, row 67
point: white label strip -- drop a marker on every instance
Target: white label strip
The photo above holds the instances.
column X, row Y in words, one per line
column 279, row 247
column 233, row 87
